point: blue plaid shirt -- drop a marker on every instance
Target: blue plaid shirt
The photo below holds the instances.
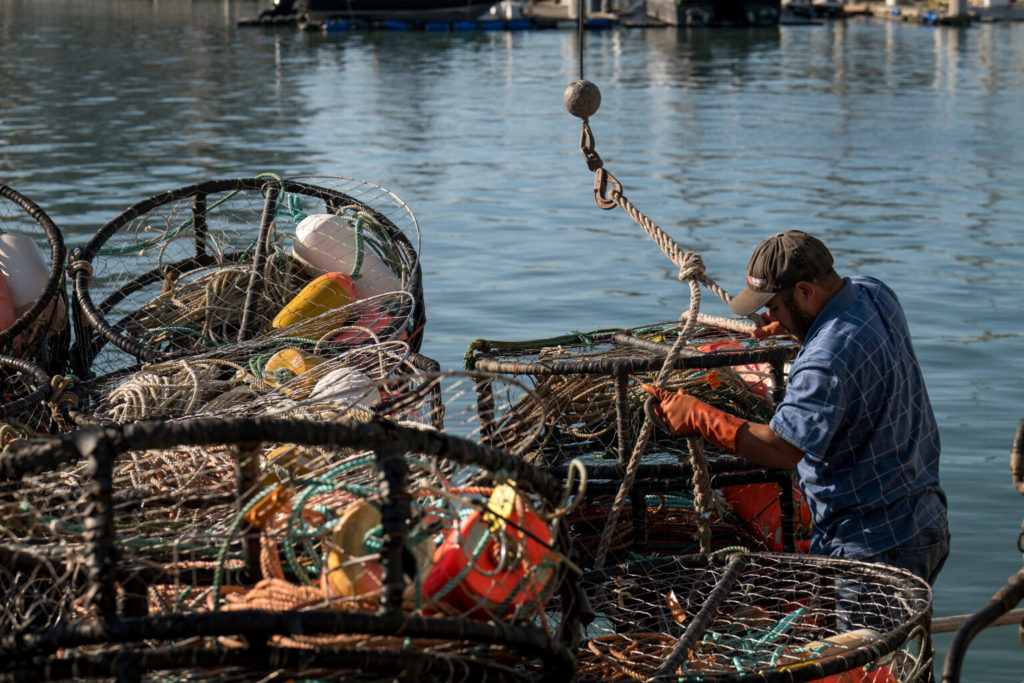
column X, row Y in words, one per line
column 856, row 405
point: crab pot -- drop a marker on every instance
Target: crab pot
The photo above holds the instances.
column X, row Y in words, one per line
column 590, row 383
column 33, row 296
column 240, row 549
column 756, row 617
column 223, row 262
column 754, row 508
column 585, row 391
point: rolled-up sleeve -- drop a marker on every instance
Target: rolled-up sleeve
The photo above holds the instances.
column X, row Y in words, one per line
column 812, row 410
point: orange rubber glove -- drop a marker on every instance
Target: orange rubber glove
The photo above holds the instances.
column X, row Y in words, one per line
column 769, row 328
column 684, row 414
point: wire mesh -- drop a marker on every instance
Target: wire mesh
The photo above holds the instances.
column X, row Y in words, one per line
column 756, row 617
column 233, row 548
column 32, row 282
column 586, row 379
column 586, row 389
column 269, row 375
column 226, row 261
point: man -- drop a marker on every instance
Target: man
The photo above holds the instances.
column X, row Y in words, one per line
column 856, row 422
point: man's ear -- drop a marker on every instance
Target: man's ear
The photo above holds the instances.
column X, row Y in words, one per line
column 805, row 293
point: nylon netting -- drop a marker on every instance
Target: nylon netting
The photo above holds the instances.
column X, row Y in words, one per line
column 756, row 617
column 34, row 329
column 586, row 388
column 226, row 261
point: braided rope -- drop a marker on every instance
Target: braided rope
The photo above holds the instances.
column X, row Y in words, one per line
column 608, row 193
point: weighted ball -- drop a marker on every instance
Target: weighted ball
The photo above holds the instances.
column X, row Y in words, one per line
column 582, row 99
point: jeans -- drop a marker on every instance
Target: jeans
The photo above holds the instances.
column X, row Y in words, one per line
column 923, row 556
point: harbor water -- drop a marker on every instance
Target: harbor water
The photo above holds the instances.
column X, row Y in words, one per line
column 897, row 143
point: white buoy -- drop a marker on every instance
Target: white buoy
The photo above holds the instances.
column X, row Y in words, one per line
column 326, row 243
column 24, row 269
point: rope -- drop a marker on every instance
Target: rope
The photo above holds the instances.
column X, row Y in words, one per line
column 608, row 193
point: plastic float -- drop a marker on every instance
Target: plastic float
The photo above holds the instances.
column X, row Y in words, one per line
column 288, row 370
column 760, row 509
column 492, row 569
column 317, row 309
column 24, row 269
column 327, row 243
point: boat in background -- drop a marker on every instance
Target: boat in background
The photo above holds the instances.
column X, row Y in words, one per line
column 321, row 11
column 716, row 12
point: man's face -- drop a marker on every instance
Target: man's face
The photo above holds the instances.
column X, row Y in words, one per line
column 786, row 308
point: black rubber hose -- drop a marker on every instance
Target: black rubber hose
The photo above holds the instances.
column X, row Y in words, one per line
column 1002, row 602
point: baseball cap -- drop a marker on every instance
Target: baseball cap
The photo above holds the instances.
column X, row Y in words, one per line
column 778, row 263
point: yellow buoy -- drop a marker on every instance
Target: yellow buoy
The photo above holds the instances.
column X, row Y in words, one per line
column 289, row 369
column 315, row 310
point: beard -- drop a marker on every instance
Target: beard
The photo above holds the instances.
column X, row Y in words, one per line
column 801, row 319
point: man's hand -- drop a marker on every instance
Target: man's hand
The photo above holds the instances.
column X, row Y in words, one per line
column 684, row 414
column 769, row 327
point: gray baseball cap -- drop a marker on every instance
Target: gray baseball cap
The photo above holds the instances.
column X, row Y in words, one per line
column 778, row 263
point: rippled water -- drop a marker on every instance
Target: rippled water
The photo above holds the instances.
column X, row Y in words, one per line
column 898, row 144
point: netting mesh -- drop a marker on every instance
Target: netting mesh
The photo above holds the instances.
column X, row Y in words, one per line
column 322, row 545
column 586, row 389
column 756, row 617
column 328, row 260
column 33, row 300
column 590, row 382
column 266, row 376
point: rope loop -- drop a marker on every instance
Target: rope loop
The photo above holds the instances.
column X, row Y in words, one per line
column 693, row 267
column 80, row 265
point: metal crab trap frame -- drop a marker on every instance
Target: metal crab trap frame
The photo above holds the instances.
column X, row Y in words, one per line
column 203, row 549
column 225, row 261
column 588, row 386
column 756, row 617
column 33, row 401
column 33, row 298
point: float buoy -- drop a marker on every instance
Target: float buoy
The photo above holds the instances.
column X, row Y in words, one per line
column 508, row 576
column 326, row 243
column 24, row 269
column 346, row 386
column 758, row 507
column 365, row 327
column 353, row 570
column 753, row 375
column 289, row 369
column 314, row 311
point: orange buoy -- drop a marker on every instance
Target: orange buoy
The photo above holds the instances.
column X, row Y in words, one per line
column 501, row 580
column 289, row 369
column 758, row 507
